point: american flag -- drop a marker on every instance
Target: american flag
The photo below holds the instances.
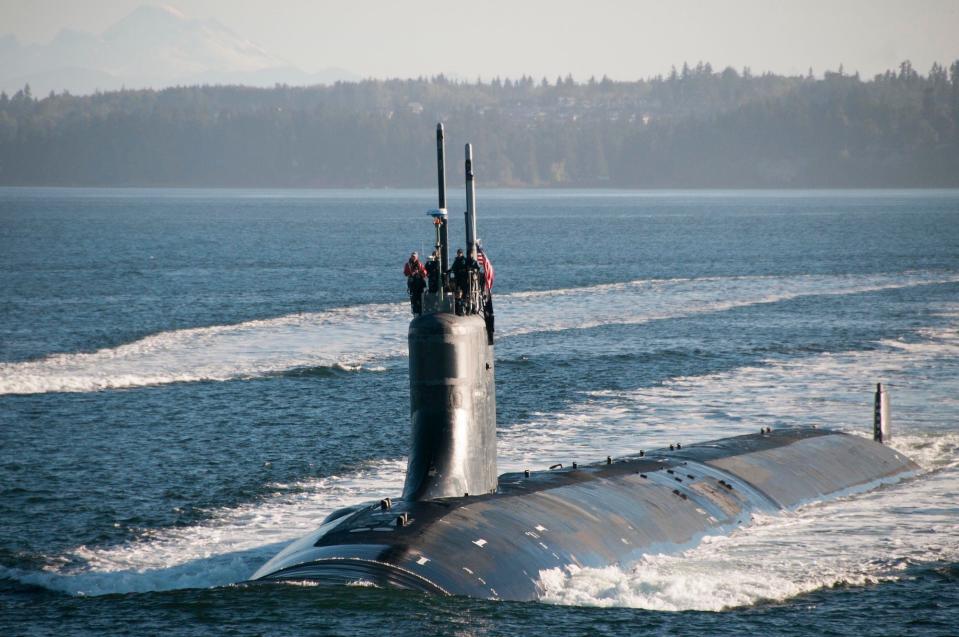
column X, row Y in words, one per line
column 487, row 266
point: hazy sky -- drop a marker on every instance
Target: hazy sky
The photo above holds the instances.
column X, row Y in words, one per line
column 624, row 39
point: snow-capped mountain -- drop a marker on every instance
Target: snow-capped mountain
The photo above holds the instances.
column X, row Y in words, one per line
column 154, row 46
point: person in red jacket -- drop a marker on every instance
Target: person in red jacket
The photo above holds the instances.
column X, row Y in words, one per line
column 413, row 266
column 415, row 282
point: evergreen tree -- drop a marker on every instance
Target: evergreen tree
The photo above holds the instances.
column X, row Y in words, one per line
column 707, row 130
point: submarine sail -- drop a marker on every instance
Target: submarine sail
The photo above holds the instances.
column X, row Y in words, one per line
column 458, row 529
column 452, row 386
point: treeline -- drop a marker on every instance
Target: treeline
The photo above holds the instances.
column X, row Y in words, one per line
column 696, row 127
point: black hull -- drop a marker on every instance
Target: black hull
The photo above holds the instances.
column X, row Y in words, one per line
column 495, row 545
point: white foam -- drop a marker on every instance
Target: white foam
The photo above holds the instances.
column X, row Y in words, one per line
column 225, row 549
column 356, row 337
column 346, row 338
column 645, row 300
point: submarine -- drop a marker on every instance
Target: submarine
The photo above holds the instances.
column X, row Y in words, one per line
column 459, row 529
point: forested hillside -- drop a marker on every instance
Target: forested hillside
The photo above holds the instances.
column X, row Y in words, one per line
column 694, row 128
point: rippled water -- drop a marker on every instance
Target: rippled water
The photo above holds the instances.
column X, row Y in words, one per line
column 191, row 379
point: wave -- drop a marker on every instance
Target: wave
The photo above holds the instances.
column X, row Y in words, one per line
column 345, row 338
column 355, row 338
column 225, row 549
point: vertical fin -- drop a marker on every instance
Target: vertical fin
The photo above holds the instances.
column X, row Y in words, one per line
column 881, row 431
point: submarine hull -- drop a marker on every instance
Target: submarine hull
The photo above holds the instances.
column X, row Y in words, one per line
column 496, row 545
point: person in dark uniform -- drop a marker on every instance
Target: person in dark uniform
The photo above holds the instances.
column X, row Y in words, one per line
column 462, row 266
column 488, row 316
column 459, row 269
column 433, row 273
column 416, row 285
column 460, row 280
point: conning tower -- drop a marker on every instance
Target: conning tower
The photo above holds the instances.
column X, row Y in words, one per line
column 452, row 386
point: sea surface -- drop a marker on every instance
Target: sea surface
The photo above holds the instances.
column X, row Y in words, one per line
column 191, row 379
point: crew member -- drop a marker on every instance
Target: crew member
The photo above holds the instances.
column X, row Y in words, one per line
column 433, row 272
column 461, row 271
column 415, row 282
column 488, row 316
column 413, row 266
column 462, row 266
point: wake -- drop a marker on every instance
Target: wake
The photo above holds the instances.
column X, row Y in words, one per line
column 856, row 540
column 361, row 337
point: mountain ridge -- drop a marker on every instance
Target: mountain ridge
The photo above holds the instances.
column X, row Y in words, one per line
column 153, row 46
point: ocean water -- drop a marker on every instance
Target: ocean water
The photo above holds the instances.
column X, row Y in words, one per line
column 191, row 379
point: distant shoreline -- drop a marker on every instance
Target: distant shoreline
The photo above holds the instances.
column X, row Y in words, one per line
column 496, row 190
column 695, row 129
